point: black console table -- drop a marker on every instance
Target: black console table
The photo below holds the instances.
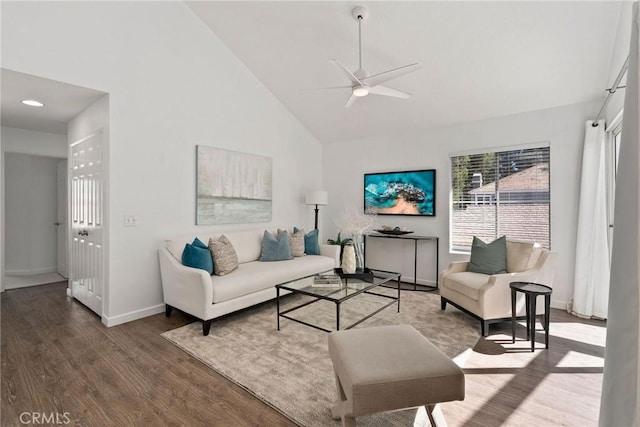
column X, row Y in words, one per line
column 415, row 252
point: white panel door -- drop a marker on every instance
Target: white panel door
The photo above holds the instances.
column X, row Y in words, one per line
column 61, row 221
column 86, row 254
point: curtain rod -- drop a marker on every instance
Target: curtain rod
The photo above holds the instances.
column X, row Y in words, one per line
column 611, row 91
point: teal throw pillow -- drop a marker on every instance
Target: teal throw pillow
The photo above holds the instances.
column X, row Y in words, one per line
column 199, row 244
column 275, row 249
column 311, row 245
column 197, row 255
column 488, row 258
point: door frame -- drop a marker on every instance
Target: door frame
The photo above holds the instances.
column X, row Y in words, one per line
column 65, row 220
column 2, row 233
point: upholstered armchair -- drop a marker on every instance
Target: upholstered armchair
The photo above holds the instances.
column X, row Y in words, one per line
column 488, row 297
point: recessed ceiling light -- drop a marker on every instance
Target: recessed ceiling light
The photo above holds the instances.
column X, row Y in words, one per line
column 32, row 103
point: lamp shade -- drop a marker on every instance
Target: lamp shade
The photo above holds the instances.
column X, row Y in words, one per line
column 318, row 197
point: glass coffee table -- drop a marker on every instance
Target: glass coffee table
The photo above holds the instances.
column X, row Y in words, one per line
column 352, row 286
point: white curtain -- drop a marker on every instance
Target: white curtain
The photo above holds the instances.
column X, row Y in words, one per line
column 620, row 405
column 591, row 277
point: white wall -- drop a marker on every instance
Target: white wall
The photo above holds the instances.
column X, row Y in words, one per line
column 346, row 162
column 33, row 142
column 620, row 53
column 172, row 85
column 31, row 193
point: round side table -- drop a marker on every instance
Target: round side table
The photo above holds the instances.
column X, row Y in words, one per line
column 531, row 291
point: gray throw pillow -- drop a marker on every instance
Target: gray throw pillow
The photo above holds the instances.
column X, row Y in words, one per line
column 224, row 255
column 488, row 258
column 275, row 248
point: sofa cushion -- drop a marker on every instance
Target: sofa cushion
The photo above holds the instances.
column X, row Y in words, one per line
column 247, row 244
column 197, row 255
column 225, row 259
column 275, row 248
column 536, row 251
column 256, row 276
column 488, row 258
column 311, row 245
column 521, row 256
column 466, row 283
column 176, row 247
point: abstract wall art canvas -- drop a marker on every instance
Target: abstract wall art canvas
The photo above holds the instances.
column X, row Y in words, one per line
column 232, row 187
column 401, row 193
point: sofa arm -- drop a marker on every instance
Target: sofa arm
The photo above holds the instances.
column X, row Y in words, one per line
column 185, row 288
column 331, row 251
column 454, row 267
column 496, row 294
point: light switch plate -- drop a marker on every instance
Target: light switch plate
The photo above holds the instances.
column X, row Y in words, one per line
column 130, row 221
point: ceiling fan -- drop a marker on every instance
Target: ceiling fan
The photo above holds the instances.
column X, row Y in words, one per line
column 363, row 84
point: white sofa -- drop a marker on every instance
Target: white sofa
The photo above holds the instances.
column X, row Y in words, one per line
column 488, row 297
column 206, row 297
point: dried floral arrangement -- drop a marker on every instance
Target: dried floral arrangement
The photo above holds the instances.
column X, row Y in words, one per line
column 352, row 221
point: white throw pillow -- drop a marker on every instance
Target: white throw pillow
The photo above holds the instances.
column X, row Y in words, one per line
column 296, row 243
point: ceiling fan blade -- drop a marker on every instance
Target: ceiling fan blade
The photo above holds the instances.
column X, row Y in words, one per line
column 329, row 87
column 387, row 91
column 385, row 76
column 350, row 102
column 346, row 71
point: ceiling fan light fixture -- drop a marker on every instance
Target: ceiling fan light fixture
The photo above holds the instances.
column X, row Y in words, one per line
column 360, row 91
column 32, row 103
column 362, row 84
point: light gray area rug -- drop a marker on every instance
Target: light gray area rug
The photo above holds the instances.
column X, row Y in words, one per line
column 290, row 369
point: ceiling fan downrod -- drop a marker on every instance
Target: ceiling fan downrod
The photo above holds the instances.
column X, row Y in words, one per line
column 360, row 42
column 360, row 13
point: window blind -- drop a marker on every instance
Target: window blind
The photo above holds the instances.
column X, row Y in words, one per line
column 499, row 193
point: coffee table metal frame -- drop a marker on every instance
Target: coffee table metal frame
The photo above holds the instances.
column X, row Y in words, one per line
column 333, row 295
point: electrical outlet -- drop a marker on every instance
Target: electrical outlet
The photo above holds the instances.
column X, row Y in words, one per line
column 130, row 221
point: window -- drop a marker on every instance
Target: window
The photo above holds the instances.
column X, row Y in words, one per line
column 499, row 193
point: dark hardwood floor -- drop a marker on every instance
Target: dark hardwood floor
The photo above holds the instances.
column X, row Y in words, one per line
column 57, row 358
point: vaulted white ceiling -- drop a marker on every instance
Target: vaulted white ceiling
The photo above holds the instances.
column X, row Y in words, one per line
column 479, row 59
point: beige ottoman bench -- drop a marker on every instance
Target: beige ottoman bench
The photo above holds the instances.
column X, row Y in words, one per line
column 388, row 368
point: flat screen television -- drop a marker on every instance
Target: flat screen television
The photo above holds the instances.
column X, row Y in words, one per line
column 401, row 193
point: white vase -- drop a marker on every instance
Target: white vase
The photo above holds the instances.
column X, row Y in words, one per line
column 349, row 260
column 358, row 247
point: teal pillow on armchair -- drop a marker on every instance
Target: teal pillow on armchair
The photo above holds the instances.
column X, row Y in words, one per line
column 488, row 258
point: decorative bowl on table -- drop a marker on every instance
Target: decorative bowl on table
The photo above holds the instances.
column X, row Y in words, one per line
column 396, row 230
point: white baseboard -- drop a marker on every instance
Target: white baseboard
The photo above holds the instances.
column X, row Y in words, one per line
column 561, row 305
column 30, row 272
column 24, row 285
column 131, row 316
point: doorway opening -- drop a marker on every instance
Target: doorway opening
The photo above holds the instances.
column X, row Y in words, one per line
column 35, row 218
column 36, row 169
